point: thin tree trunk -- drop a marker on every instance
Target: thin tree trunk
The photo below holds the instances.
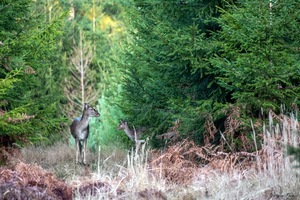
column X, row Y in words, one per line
column 81, row 70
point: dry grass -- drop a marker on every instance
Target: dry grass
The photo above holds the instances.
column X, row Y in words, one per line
column 182, row 171
column 28, row 181
column 60, row 159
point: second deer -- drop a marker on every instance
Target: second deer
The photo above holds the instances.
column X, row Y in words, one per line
column 134, row 135
column 80, row 131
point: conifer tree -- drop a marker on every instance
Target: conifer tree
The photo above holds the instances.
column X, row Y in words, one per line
column 28, row 108
column 257, row 62
column 167, row 63
column 101, row 23
column 202, row 62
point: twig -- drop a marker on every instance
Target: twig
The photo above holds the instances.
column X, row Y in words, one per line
column 226, row 141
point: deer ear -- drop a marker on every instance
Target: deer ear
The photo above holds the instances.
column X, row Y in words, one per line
column 86, row 105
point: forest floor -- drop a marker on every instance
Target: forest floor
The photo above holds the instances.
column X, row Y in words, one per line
column 182, row 171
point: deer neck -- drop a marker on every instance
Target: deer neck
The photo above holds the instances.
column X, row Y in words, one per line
column 129, row 133
column 84, row 121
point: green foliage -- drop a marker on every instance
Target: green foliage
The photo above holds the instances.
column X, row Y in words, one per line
column 166, row 65
column 29, row 95
column 101, row 23
column 257, row 62
column 191, row 60
column 109, row 62
column 153, row 62
column 294, row 151
column 8, row 82
column 105, row 131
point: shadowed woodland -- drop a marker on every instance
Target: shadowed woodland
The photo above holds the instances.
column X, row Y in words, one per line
column 213, row 85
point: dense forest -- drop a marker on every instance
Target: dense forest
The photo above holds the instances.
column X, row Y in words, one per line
column 208, row 69
column 211, row 86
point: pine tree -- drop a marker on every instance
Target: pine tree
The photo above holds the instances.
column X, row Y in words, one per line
column 29, row 110
column 257, row 60
column 101, row 23
column 167, row 65
column 204, row 62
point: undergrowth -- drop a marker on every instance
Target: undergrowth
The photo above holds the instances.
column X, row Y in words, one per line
column 181, row 171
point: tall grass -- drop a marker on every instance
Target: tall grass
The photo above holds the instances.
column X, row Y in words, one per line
column 274, row 175
column 113, row 173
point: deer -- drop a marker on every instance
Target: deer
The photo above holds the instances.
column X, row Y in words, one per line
column 80, row 131
column 172, row 134
column 134, row 135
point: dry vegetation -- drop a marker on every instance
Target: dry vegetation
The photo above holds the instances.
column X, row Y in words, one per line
column 181, row 171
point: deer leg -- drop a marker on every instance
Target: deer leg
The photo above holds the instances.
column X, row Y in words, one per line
column 137, row 147
column 84, row 149
column 77, row 150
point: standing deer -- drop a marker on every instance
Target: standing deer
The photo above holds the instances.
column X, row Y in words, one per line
column 134, row 135
column 80, row 131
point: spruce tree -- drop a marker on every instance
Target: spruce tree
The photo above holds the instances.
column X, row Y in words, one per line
column 207, row 63
column 29, row 111
column 257, row 60
column 101, row 23
column 166, row 65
